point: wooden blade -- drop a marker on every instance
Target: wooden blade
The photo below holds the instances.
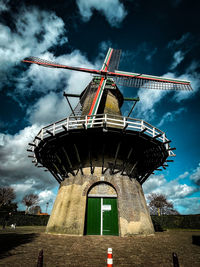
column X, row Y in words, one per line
column 50, row 64
column 150, row 82
column 107, row 60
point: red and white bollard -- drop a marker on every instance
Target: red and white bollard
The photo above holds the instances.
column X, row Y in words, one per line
column 109, row 258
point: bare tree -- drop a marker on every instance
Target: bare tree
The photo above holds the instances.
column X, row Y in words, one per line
column 30, row 200
column 7, row 195
column 159, row 205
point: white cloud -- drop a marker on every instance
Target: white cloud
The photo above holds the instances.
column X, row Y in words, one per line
column 151, row 54
column 36, row 31
column 48, row 109
column 4, row 5
column 154, row 182
column 188, row 205
column 175, row 191
column 43, row 80
column 53, row 106
column 16, row 168
column 192, row 75
column 177, row 58
column 15, row 164
column 145, row 108
column 180, row 41
column 170, row 116
column 46, row 196
column 150, row 98
column 113, row 10
column 195, row 176
column 172, row 189
column 182, row 176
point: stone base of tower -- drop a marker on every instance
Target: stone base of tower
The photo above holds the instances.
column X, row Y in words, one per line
column 69, row 214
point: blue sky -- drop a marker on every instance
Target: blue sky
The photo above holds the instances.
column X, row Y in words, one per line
column 157, row 37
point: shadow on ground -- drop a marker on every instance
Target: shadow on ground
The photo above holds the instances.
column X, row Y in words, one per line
column 11, row 240
column 196, row 240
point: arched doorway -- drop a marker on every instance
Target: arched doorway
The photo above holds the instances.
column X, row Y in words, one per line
column 102, row 212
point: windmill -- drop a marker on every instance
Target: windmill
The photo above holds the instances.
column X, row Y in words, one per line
column 101, row 158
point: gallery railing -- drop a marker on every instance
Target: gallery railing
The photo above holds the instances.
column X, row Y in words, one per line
column 101, row 120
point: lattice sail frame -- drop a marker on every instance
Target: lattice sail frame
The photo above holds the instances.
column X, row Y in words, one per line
column 151, row 84
column 109, row 69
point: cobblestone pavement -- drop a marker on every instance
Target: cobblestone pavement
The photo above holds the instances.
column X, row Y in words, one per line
column 21, row 248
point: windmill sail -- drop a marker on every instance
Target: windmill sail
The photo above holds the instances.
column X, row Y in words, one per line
column 114, row 61
column 51, row 64
column 109, row 69
column 149, row 82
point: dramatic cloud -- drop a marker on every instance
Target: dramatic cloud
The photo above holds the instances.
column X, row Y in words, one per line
column 36, row 31
column 16, row 168
column 170, row 116
column 4, row 5
column 177, row 58
column 176, row 191
column 172, row 189
column 43, row 80
column 113, row 10
column 46, row 196
column 195, row 177
column 151, row 54
column 48, row 109
column 148, row 100
column 178, row 43
column 188, row 205
column 51, row 83
column 191, row 75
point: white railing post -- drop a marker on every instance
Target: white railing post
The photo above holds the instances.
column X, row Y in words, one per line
column 92, row 121
column 67, row 123
column 106, row 118
column 142, row 125
column 124, row 121
column 42, row 134
column 164, row 137
column 153, row 131
column 54, row 127
column 86, row 121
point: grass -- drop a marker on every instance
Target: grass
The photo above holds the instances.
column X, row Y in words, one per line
column 23, row 229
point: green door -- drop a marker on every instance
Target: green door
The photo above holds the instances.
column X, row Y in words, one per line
column 94, row 216
column 102, row 216
column 110, row 216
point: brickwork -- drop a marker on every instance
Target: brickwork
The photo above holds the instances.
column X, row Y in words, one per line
column 109, row 105
column 102, row 189
column 112, row 105
column 68, row 214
